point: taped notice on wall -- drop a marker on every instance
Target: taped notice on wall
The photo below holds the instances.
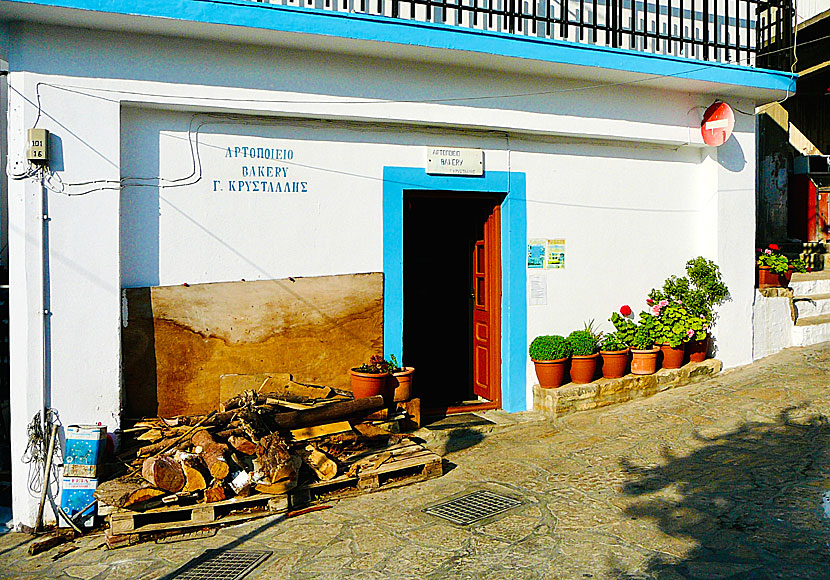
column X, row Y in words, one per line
column 548, row 254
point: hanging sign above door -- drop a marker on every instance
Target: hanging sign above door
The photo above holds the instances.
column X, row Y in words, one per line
column 454, row 161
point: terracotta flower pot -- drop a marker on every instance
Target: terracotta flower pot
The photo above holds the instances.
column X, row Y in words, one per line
column 583, row 368
column 402, row 384
column 644, row 362
column 769, row 279
column 551, row 373
column 696, row 350
column 370, row 384
column 614, row 363
column 673, row 355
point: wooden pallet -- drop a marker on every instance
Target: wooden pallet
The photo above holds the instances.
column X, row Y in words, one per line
column 400, row 464
column 179, row 517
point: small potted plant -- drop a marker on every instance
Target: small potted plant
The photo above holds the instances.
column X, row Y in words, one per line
column 584, row 353
column 775, row 270
column 370, row 379
column 614, row 352
column 401, row 379
column 640, row 337
column 549, row 354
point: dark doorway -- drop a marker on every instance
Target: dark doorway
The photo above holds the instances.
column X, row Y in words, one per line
column 452, row 298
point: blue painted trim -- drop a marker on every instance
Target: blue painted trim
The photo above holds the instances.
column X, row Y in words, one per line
column 513, row 239
column 364, row 27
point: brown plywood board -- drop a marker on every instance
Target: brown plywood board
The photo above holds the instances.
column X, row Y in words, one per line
column 179, row 340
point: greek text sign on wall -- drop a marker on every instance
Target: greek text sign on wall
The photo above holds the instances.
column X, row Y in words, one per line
column 248, row 167
column 454, row 161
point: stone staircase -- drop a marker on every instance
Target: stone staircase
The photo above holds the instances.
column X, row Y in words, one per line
column 810, row 307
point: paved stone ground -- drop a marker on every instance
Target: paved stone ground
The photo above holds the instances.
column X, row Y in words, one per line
column 723, row 479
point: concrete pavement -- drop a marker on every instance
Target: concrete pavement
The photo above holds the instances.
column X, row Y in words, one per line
column 722, row 479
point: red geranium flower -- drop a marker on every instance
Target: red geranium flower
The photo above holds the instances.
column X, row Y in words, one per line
column 625, row 310
column 774, row 247
column 649, row 301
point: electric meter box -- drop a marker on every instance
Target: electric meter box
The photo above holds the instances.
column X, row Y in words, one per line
column 38, row 150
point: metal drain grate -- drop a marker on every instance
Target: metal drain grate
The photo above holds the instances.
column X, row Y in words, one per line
column 473, row 507
column 223, row 565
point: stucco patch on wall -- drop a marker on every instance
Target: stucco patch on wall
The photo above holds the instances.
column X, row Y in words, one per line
column 179, row 340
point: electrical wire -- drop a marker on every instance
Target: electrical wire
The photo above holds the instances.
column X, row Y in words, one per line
column 196, row 175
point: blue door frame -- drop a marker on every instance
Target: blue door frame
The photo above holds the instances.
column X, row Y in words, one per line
column 396, row 180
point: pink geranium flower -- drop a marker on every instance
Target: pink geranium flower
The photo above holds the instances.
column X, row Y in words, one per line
column 664, row 303
column 690, row 333
column 767, row 251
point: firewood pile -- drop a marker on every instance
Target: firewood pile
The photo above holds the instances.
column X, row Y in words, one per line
column 255, row 443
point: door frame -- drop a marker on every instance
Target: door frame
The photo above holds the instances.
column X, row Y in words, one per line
column 493, row 296
column 514, row 388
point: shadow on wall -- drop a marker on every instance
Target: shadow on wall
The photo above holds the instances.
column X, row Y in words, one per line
column 731, row 156
column 751, row 500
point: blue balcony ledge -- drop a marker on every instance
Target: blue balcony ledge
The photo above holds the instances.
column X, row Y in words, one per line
column 248, row 20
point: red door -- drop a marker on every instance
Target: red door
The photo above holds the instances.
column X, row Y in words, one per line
column 487, row 311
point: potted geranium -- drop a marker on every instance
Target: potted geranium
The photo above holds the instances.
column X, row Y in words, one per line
column 584, row 353
column 675, row 327
column 401, row 379
column 549, row 354
column 370, row 379
column 775, row 269
column 640, row 337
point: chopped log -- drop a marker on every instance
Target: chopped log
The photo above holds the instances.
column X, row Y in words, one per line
column 327, row 413
column 235, row 429
column 320, row 463
column 274, row 459
column 212, row 453
column 215, row 493
column 195, row 471
column 163, row 472
column 151, row 435
column 154, row 448
column 126, row 491
column 320, row 430
column 242, row 444
column 54, row 539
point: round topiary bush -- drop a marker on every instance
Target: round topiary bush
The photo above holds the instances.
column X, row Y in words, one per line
column 549, row 347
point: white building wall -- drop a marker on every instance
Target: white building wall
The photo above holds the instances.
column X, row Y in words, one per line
column 619, row 172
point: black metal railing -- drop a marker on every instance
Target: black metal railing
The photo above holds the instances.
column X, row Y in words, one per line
column 713, row 30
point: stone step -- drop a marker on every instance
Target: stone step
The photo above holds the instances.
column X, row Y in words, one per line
column 811, row 330
column 813, row 320
column 812, row 305
column 810, row 283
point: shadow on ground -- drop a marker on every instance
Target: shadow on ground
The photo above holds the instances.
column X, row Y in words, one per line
column 750, row 499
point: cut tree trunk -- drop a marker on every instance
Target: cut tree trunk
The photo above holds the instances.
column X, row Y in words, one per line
column 212, row 453
column 242, row 444
column 327, row 413
column 320, row 463
column 163, row 472
column 126, row 491
column 275, row 461
column 195, row 471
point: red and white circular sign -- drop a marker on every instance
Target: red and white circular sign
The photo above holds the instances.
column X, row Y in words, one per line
column 717, row 125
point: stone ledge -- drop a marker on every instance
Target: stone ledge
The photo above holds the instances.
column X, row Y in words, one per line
column 573, row 397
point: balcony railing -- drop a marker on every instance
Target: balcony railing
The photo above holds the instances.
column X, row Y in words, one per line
column 712, row 30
